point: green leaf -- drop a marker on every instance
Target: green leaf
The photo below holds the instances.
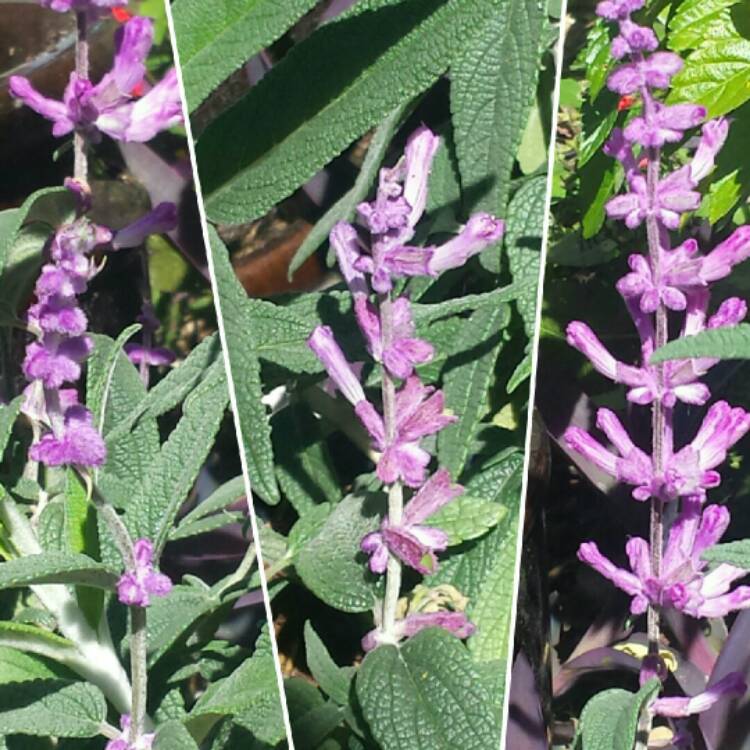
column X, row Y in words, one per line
column 169, row 478
column 467, row 517
column 695, row 21
column 82, row 534
column 426, row 695
column 56, row 567
column 17, row 666
column 244, row 365
column 307, row 111
column 721, row 343
column 204, row 525
column 597, row 57
column 213, row 43
column 172, row 735
column 333, row 680
column 493, row 84
column 310, row 730
column 171, row 390
column 227, row 494
column 332, row 565
column 467, row 379
column 717, row 73
column 523, row 240
column 723, row 195
column 250, row 692
column 345, row 207
column 609, row 721
column 52, row 708
column 8, row 415
column 733, row 553
column 598, row 119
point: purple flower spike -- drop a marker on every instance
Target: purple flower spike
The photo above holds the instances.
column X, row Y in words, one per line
column 144, row 742
column 418, row 157
column 683, row 585
column 633, row 39
column 733, row 685
column 655, row 71
column 345, row 241
column 160, row 220
column 109, row 106
column 405, row 350
column 455, row 623
column 137, row 586
column 77, row 443
column 713, row 136
column 614, row 10
column 413, row 543
column 481, row 231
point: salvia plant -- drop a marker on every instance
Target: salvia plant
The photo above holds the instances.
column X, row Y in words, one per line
column 99, row 647
column 679, row 576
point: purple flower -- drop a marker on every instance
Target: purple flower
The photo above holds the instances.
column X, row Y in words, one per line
column 144, row 742
column 410, row 541
column 732, row 685
column 633, row 39
column 76, row 443
column 654, row 71
column 683, row 584
column 455, row 623
column 665, row 124
column 345, row 241
column 109, row 106
column 159, row 220
column 154, row 356
column 136, row 587
column 405, row 350
column 713, row 136
column 614, row 10
column 690, row 471
column 390, row 260
column 481, row 231
column 324, row 346
column 419, row 412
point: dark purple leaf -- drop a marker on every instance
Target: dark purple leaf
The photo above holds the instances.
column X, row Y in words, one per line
column 526, row 727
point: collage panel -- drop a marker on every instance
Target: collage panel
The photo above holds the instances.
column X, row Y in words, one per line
column 131, row 611
column 374, row 177
column 636, row 630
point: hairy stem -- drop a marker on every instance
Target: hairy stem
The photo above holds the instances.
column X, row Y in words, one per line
column 138, row 671
column 80, row 163
column 396, row 490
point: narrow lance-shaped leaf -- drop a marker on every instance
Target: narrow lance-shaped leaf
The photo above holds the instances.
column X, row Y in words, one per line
column 56, row 567
column 721, row 343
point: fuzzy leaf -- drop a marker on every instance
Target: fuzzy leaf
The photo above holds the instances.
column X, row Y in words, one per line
column 244, row 365
column 333, row 680
column 55, row 708
column 523, row 240
column 227, row 494
column 695, row 21
column 307, row 111
column 493, row 84
column 56, row 567
column 609, row 721
column 721, row 343
column 467, row 377
column 171, row 476
column 212, row 44
column 467, row 517
column 17, row 666
column 732, row 553
column 426, row 695
column 331, row 563
column 172, row 735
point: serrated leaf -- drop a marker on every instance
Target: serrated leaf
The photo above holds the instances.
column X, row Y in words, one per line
column 333, row 680
column 467, row 378
column 426, row 695
column 720, row 343
column 55, row 708
column 493, row 84
column 609, row 721
column 723, row 195
column 172, row 735
column 597, row 57
column 523, row 240
column 345, row 207
column 716, row 75
column 332, row 565
column 212, row 44
column 307, row 111
column 170, row 477
column 56, row 567
column 467, row 517
column 17, row 666
column 244, row 366
column 732, row 553
column 696, row 20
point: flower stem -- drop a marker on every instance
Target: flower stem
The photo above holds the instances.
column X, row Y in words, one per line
column 138, row 671
column 396, row 490
column 80, row 163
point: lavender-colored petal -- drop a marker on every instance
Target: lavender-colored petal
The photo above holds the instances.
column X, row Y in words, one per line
column 374, row 545
column 162, row 219
column 345, row 242
column 143, row 552
column 589, row 553
column 51, row 109
column 731, row 685
column 436, row 492
column 455, row 623
column 713, row 136
column 418, row 157
column 325, row 348
column 409, row 549
column 481, row 231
